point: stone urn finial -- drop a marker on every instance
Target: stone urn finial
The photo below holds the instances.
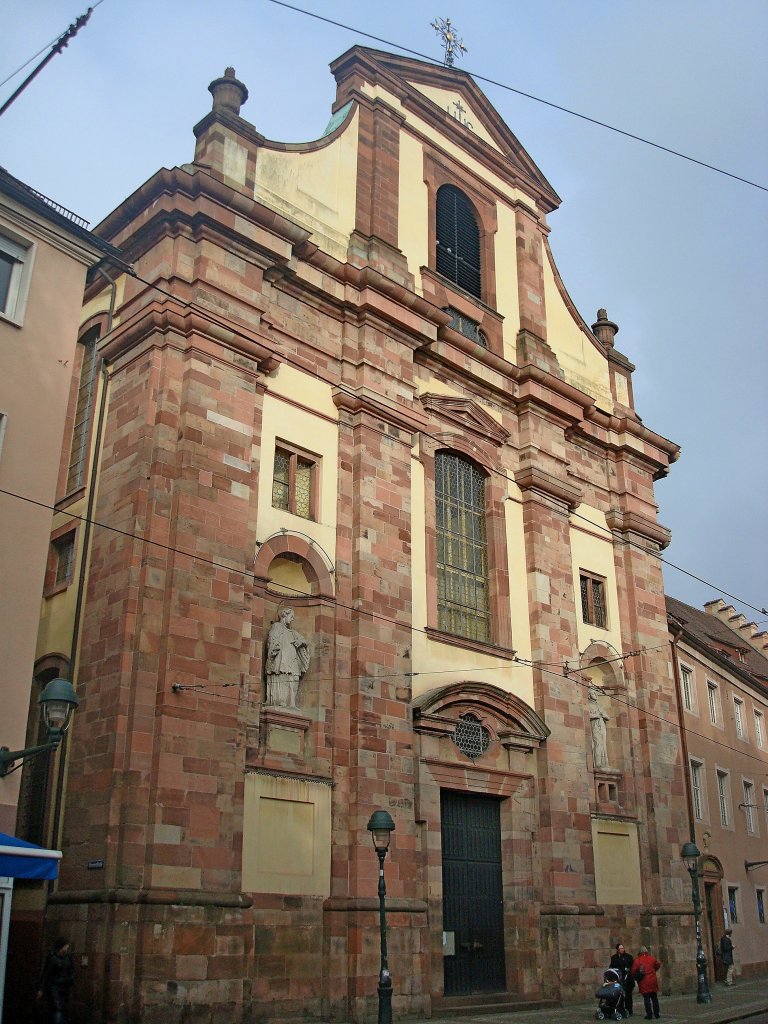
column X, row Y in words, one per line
column 228, row 93
column 605, row 330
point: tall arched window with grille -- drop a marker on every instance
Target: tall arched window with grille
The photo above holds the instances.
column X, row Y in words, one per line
column 457, row 254
column 462, row 548
column 86, row 400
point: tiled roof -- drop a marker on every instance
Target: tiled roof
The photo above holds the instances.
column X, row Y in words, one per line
column 712, row 632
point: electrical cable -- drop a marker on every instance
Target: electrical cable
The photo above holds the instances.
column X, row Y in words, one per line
column 206, row 314
column 526, row 95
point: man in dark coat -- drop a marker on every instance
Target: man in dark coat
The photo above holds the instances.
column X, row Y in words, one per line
column 726, row 955
column 57, row 979
column 622, row 962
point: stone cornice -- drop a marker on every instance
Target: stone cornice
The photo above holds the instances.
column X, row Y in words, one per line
column 532, row 478
column 364, row 401
column 627, row 522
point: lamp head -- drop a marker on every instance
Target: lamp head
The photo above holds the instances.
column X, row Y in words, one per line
column 690, row 854
column 58, row 702
column 381, row 826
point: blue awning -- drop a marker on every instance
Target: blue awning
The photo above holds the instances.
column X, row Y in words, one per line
column 19, row 859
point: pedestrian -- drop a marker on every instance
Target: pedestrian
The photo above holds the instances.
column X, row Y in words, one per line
column 622, row 961
column 644, row 968
column 57, row 979
column 726, row 955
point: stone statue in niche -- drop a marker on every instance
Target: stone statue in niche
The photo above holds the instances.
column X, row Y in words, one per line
column 598, row 720
column 286, row 662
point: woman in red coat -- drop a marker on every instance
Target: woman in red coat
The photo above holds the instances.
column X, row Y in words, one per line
column 644, row 969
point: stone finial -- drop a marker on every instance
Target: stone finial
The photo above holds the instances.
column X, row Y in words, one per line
column 605, row 330
column 228, row 93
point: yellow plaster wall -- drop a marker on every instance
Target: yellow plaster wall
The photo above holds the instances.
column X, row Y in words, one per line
column 413, row 226
column 286, row 836
column 617, row 862
column 445, row 100
column 582, row 364
column 299, row 426
column 518, row 592
column 507, row 299
column 593, row 551
column 315, row 189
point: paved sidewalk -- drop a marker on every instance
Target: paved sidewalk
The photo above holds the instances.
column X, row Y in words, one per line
column 746, row 1000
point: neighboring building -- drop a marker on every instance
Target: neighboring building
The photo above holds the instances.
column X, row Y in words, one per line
column 722, row 669
column 45, row 253
column 347, row 381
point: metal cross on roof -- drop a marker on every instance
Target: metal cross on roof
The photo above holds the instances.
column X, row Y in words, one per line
column 453, row 46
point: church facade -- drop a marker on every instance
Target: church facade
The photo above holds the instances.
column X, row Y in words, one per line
column 375, row 529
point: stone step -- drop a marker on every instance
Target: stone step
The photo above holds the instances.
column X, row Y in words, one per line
column 490, row 1002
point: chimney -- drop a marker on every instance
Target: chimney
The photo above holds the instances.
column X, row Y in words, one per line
column 228, row 93
column 605, row 330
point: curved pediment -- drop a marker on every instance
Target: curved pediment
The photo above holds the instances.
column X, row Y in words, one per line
column 515, row 722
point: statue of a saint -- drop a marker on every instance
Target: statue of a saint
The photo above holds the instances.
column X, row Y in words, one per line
column 286, row 662
column 597, row 720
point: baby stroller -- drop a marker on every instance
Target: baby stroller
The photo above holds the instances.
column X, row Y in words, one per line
column 611, row 996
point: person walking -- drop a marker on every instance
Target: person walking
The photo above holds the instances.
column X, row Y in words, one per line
column 726, row 955
column 57, row 979
column 622, row 961
column 644, row 968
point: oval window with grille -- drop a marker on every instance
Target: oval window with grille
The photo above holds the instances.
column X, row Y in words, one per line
column 471, row 737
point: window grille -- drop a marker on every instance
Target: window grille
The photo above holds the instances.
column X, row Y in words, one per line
column 471, row 737
column 467, row 326
column 722, row 796
column 462, row 548
column 86, row 399
column 292, row 483
column 457, row 254
column 65, row 557
column 593, row 600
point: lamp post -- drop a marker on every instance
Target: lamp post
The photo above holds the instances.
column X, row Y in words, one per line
column 57, row 702
column 381, row 828
column 690, row 854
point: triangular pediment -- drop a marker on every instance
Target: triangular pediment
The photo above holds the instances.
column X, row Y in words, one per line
column 466, row 415
column 448, row 100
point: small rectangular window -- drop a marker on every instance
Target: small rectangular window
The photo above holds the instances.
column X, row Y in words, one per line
column 697, row 787
column 733, row 903
column 294, row 482
column 593, row 607
column 686, row 678
column 760, row 893
column 64, row 552
column 738, row 716
column 14, row 261
column 759, row 729
column 714, row 703
column 723, row 797
column 749, row 806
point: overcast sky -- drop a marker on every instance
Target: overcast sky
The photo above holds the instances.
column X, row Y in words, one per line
column 675, row 252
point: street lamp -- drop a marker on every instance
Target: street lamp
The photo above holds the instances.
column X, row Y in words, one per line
column 381, row 828
column 58, row 702
column 690, row 854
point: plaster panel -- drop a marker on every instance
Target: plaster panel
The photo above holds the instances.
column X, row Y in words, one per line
column 446, row 100
column 593, row 552
column 413, row 228
column 617, row 862
column 315, row 189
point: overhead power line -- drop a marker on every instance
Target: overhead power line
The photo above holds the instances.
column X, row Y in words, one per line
column 526, row 95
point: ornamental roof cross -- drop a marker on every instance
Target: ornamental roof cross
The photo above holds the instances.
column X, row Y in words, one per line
column 452, row 44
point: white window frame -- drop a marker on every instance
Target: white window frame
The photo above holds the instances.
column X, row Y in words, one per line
column 21, row 251
column 713, row 699
column 724, row 796
column 687, row 686
column 738, row 717
column 749, row 806
column 698, row 788
column 759, row 720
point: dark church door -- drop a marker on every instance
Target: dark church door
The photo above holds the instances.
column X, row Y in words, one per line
column 473, row 910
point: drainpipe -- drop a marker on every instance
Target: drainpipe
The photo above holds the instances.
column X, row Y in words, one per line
column 80, row 596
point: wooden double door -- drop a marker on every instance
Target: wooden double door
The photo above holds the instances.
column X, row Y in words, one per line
column 473, row 906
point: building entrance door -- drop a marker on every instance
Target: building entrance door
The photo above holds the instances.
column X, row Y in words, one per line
column 473, row 909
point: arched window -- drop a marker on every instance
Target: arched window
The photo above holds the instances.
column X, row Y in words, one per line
column 462, row 548
column 457, row 240
column 86, row 400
